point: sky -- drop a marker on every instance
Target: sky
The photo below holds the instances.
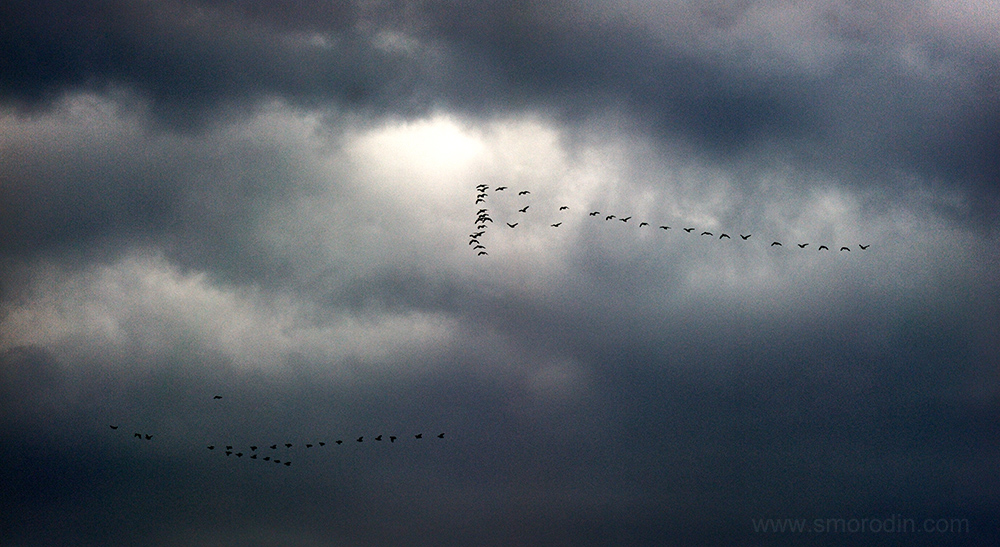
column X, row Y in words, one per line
column 280, row 204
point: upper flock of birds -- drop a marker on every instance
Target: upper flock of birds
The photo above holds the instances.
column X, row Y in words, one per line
column 278, row 453
column 484, row 221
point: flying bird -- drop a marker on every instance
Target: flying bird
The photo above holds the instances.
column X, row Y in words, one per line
column 609, row 217
column 288, row 445
column 664, row 227
column 273, row 446
column 267, row 458
column 725, row 236
column 379, row 438
column 478, row 247
column 480, row 200
column 864, row 247
column 228, row 452
column 339, row 441
column 239, row 454
column 229, row 447
column 778, row 243
column 483, row 253
column 564, row 207
column 525, row 210
column 211, row 447
column 821, row 247
column 321, row 443
column 217, row 397
column 148, row 437
column 523, row 193
column 745, row 237
column 471, row 241
column 481, row 211
column 501, row 188
column 392, row 438
column 689, row 230
column 309, row 446
column 556, row 225
column 253, row 448
column 641, row 224
column 361, row 439
column 624, row 219
column 441, row 436
column 253, row 457
column 418, row 436
column 706, row 233
column 845, row 249
column 139, row 435
column 480, row 226
column 288, row 464
column 511, row 225
column 802, row 245
column 595, row 213
column 113, row 426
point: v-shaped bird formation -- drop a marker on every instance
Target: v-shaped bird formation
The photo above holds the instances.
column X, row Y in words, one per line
column 282, row 453
column 484, row 222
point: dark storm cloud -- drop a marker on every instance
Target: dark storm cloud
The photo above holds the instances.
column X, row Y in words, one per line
column 271, row 202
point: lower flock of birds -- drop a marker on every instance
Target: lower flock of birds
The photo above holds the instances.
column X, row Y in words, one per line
column 280, row 453
column 484, row 221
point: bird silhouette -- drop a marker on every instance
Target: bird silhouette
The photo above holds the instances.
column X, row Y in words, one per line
column 481, row 211
column 441, row 436
column 288, row 445
column 339, row 441
column 845, row 249
column 273, row 446
column 641, row 224
column 253, row 456
column 778, row 243
column 253, row 448
column 745, row 237
column 609, row 217
column 821, row 247
column 480, row 226
column 267, row 458
column 865, row 247
column 483, row 253
column 664, row 227
column 480, row 200
column 379, row 438
column 689, row 230
column 501, row 188
column 138, row 435
column 478, row 247
column 211, row 447
column 418, row 436
column 477, row 234
column 288, row 464
column 321, row 443
column 276, row 460
column 361, row 439
column 595, row 213
column 471, row 241
column 525, row 210
column 228, row 452
column 229, row 447
column 624, row 219
column 482, row 195
column 556, row 225
column 706, row 233
column 724, row 236
column 113, row 426
column 217, row 397
column 309, row 446
column 802, row 245
column 564, row 207
column 239, row 454
column 392, row 438
column 523, row 193
column 512, row 225
column 148, row 437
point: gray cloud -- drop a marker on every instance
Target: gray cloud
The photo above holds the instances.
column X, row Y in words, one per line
column 274, row 204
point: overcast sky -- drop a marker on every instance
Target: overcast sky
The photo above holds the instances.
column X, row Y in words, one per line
column 275, row 203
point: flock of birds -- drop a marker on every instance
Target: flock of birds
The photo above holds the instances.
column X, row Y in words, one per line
column 274, row 452
column 484, row 221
